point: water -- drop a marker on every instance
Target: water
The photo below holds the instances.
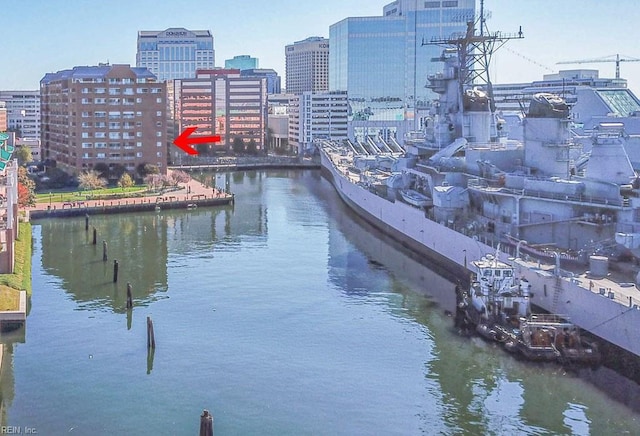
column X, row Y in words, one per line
column 283, row 315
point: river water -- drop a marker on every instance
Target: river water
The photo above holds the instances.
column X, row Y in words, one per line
column 282, row 315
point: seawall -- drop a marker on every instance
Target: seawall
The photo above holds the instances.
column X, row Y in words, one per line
column 132, row 205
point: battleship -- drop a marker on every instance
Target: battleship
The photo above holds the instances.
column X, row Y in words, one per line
column 566, row 214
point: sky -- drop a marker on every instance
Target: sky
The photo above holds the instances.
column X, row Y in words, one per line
column 41, row 36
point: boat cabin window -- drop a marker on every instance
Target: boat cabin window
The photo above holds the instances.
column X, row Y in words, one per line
column 508, row 273
column 496, row 273
column 486, row 273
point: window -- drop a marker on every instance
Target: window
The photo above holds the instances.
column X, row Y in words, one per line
column 159, row 144
column 159, row 134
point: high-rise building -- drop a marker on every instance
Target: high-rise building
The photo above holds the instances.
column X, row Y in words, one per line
column 110, row 114
column 383, row 63
column 242, row 62
column 23, row 112
column 221, row 102
column 317, row 116
column 273, row 80
column 175, row 53
column 307, row 65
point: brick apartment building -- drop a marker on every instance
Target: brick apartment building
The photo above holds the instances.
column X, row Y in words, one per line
column 111, row 114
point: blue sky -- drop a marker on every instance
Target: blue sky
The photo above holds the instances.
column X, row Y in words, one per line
column 40, row 36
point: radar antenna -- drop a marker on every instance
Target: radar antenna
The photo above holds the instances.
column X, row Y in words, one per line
column 474, row 48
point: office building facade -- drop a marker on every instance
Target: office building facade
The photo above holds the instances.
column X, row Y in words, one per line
column 23, row 112
column 307, row 65
column 175, row 53
column 221, row 102
column 242, row 62
column 110, row 114
column 273, row 79
column 317, row 116
column 383, row 63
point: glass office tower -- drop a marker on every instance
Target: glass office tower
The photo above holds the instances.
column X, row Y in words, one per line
column 175, row 53
column 383, row 63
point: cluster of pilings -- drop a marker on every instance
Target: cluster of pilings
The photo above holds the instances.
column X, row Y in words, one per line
column 206, row 419
column 151, row 340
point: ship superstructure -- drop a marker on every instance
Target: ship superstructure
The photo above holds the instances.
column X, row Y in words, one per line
column 546, row 194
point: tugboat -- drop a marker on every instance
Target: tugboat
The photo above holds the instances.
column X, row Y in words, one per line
column 498, row 305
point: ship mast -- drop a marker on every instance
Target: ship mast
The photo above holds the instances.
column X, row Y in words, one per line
column 474, row 48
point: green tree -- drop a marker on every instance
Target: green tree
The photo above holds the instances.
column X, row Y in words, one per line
column 116, row 171
column 252, row 147
column 102, row 169
column 238, row 145
column 23, row 153
column 125, row 181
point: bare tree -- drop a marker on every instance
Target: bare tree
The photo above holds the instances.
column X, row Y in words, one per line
column 91, row 180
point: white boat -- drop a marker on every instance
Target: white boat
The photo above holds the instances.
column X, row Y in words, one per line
column 485, row 187
column 415, row 198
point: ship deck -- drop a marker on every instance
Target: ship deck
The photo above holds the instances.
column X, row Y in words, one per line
column 617, row 285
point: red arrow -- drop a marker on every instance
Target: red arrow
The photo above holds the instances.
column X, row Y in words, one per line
column 184, row 142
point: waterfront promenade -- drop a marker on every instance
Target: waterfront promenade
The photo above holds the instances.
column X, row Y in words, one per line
column 188, row 194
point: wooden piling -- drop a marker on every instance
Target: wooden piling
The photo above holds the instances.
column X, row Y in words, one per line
column 115, row 271
column 86, row 223
column 151, row 340
column 129, row 299
column 95, row 236
column 206, row 423
column 104, row 251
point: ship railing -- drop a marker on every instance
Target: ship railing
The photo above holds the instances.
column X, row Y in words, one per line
column 481, row 184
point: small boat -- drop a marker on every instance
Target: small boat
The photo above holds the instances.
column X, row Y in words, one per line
column 415, row 198
column 497, row 304
column 192, row 206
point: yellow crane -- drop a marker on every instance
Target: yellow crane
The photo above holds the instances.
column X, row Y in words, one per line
column 611, row 58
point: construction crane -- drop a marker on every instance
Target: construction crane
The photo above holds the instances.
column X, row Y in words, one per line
column 611, row 58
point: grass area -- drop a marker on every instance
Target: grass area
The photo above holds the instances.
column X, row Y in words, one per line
column 9, row 298
column 21, row 278
column 96, row 194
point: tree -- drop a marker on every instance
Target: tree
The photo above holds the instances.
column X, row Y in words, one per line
column 252, row 147
column 238, row 145
column 116, row 171
column 145, row 169
column 153, row 181
column 125, row 181
column 23, row 153
column 179, row 177
column 102, row 169
column 91, row 180
column 26, row 187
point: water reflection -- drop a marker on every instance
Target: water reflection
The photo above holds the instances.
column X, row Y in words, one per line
column 481, row 389
column 318, row 326
column 137, row 242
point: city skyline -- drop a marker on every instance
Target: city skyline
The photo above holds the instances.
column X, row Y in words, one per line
column 106, row 32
